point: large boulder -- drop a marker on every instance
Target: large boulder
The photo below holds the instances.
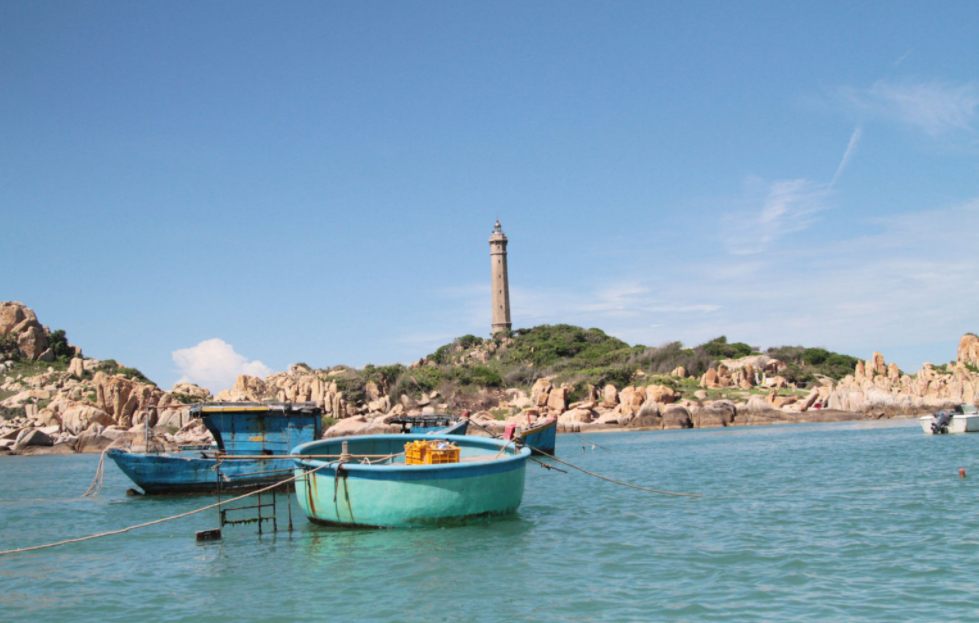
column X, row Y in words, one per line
column 631, row 399
column 557, row 401
column 32, row 437
column 968, row 350
column 12, row 313
column 539, row 392
column 121, row 397
column 582, row 416
column 648, row 416
column 880, row 366
column 675, row 417
column 710, row 379
column 76, row 418
column 91, row 442
column 661, row 394
column 77, row 367
column 198, row 393
column 610, row 396
column 347, row 426
column 246, row 389
column 32, row 341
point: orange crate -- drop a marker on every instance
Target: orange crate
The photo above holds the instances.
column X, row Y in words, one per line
column 431, row 453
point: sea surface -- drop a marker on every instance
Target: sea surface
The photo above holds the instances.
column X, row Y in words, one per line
column 865, row 521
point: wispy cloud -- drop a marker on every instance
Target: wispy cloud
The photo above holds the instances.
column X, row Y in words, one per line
column 936, row 108
column 850, row 149
column 787, row 206
column 438, row 338
column 214, row 364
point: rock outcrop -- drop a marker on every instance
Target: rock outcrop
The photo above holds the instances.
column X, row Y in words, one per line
column 20, row 322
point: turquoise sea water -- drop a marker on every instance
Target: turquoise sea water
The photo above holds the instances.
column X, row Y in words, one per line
column 820, row 522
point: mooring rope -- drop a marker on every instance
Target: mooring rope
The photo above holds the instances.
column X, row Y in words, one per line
column 612, row 480
column 96, row 485
column 165, row 519
column 582, row 437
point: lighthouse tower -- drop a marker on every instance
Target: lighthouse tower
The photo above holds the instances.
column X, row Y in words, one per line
column 501, row 284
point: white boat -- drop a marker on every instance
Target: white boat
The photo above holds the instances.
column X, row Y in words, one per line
column 961, row 419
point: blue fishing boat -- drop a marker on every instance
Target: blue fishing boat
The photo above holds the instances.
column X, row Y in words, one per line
column 540, row 438
column 371, row 485
column 248, row 437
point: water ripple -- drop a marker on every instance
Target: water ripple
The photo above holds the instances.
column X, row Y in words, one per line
column 854, row 522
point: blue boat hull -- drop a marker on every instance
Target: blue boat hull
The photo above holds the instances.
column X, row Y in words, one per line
column 399, row 495
column 187, row 472
column 541, row 439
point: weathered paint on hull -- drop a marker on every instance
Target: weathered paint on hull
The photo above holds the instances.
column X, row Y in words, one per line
column 395, row 496
column 541, row 440
column 186, row 472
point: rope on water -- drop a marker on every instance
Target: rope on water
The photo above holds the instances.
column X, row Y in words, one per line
column 624, row 484
column 618, row 482
column 582, row 437
column 165, row 519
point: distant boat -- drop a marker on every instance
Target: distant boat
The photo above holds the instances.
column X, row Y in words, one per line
column 249, row 429
column 961, row 419
column 428, row 424
column 540, row 438
column 376, row 488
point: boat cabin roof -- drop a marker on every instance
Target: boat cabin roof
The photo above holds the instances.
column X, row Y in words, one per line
column 270, row 409
column 424, row 420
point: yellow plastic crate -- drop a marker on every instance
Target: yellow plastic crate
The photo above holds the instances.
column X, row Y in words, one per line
column 431, row 453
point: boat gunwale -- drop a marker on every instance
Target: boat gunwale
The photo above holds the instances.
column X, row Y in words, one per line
column 504, row 462
column 536, row 428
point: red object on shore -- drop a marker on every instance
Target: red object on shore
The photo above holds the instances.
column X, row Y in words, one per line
column 510, row 430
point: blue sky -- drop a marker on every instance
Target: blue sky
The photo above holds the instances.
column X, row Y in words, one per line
column 202, row 189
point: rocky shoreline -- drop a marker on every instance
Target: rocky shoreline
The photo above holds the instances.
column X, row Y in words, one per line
column 89, row 406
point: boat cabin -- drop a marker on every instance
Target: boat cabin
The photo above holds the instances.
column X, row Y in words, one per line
column 426, row 423
column 253, row 428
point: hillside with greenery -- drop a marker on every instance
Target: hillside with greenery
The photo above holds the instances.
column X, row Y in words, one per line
column 573, row 355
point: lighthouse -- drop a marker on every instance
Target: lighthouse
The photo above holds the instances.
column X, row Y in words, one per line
column 501, row 285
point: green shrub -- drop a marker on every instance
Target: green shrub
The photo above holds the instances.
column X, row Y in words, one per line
column 718, row 347
column 468, row 341
column 486, row 377
column 186, row 399
column 815, row 356
column 9, row 348
column 500, row 414
column 112, row 367
column 58, row 344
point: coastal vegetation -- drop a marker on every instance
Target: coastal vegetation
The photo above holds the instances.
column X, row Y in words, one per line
column 574, row 356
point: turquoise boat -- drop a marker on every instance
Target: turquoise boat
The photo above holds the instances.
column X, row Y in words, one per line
column 540, row 438
column 376, row 489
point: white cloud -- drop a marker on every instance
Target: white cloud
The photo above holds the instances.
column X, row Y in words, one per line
column 214, row 364
column 936, row 108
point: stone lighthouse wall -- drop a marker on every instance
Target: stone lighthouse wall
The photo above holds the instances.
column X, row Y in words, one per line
column 501, row 283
